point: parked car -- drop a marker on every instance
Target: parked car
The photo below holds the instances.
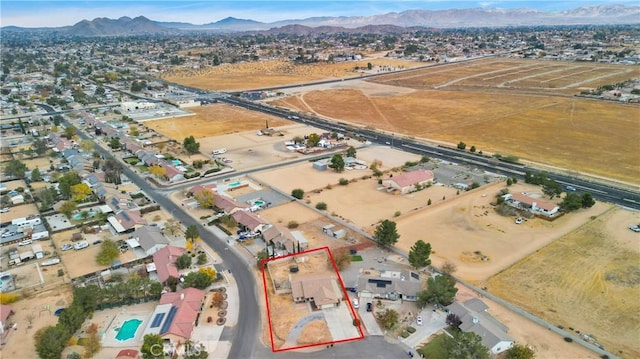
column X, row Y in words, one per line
column 353, row 251
column 97, row 242
column 570, row 188
column 419, row 320
column 8, row 234
column 369, row 307
column 635, row 228
column 356, row 303
column 26, row 242
column 66, row 247
column 5, row 210
column 519, row 220
column 81, row 245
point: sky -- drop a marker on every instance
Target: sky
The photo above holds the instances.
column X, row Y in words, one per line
column 53, row 13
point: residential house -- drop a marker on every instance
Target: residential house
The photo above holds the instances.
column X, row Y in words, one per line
column 390, row 285
column 280, row 238
column 474, row 317
column 165, row 262
column 249, row 221
column 176, row 315
column 132, row 147
column 203, row 187
column 409, row 181
column 150, row 239
column 226, row 204
column 172, row 173
column 534, row 205
column 322, row 291
column 125, row 221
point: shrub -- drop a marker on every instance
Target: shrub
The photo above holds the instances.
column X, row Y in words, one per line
column 405, row 334
column 321, row 206
column 343, row 181
column 297, row 193
column 568, row 340
column 292, row 224
column 411, row 329
column 397, row 214
column 8, row 298
column 356, row 322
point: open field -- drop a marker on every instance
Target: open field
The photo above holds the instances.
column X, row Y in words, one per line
column 587, row 280
column 213, row 120
column 273, row 73
column 466, row 224
column 19, row 211
column 553, row 130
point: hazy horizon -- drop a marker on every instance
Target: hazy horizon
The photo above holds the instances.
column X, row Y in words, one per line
column 26, row 13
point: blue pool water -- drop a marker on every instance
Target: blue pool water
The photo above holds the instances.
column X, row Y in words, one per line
column 234, row 184
column 258, row 203
column 176, row 162
column 78, row 216
column 128, row 329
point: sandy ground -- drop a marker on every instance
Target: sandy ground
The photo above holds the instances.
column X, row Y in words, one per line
column 20, row 343
column 270, row 73
column 12, row 185
column 468, row 223
column 475, row 112
column 587, row 280
column 546, row 344
column 213, row 120
column 42, row 163
column 293, row 211
column 19, row 211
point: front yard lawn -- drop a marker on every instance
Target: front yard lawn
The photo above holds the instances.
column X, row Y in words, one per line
column 434, row 349
column 356, row 258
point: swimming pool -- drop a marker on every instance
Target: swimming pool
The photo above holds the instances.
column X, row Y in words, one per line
column 128, row 329
column 234, row 184
column 257, row 202
column 78, row 216
column 176, row 162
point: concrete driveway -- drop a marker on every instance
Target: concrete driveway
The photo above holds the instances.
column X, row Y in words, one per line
column 432, row 322
column 340, row 322
column 368, row 319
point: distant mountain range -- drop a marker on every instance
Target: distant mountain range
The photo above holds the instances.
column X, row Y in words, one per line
column 390, row 22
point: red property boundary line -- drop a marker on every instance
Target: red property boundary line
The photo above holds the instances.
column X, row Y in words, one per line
column 344, row 293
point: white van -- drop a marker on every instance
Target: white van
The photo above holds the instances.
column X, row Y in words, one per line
column 81, row 245
column 220, row 151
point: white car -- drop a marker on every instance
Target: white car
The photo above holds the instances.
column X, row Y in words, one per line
column 66, row 247
column 356, row 303
column 26, row 242
column 220, row 151
column 419, row 320
column 5, row 210
column 519, row 220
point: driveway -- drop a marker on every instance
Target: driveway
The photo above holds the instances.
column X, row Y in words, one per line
column 368, row 319
column 292, row 338
column 340, row 322
column 432, row 322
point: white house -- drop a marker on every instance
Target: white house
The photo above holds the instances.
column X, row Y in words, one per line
column 407, row 181
column 474, row 317
column 534, row 205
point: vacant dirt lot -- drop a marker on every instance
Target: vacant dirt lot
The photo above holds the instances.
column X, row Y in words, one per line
column 213, row 120
column 546, row 129
column 587, row 280
column 271, row 73
column 466, row 224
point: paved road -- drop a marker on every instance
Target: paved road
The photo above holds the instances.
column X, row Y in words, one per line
column 431, row 323
column 249, row 317
column 371, row 347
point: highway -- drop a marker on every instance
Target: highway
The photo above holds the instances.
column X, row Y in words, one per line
column 600, row 191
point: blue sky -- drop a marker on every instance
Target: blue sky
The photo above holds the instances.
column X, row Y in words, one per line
column 30, row 13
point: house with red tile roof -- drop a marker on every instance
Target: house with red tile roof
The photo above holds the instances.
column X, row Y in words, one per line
column 226, row 204
column 203, row 187
column 176, row 315
column 172, row 173
column 321, row 290
column 408, row 181
column 165, row 262
column 249, row 220
column 125, row 221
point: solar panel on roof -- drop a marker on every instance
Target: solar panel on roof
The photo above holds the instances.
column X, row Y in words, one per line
column 157, row 320
column 167, row 323
column 380, row 283
column 125, row 216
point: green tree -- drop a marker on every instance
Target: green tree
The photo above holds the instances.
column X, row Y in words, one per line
column 194, row 352
column 297, row 193
column 571, row 202
column 472, row 149
column 114, row 143
column 67, row 181
column 36, row 176
column 441, row 290
column 551, row 188
column 92, row 342
column 202, row 259
column 462, row 145
column 72, row 318
column 87, row 146
column 465, row 345
column 198, row 280
column 519, row 351
column 337, row 163
column 191, row 145
column 15, row 168
column 51, row 340
column 152, row 347
column 192, row 232
column 351, row 152
column 69, row 132
column 388, row 319
column 419, row 254
column 205, row 198
column 183, row 261
column 39, row 146
column 342, row 258
column 369, row 66
column 313, row 140
column 112, row 171
column 68, row 207
column 587, row 200
column 80, row 191
column 109, row 252
column 47, row 197
column 386, row 233
column 261, row 256
column 321, row 206
column 57, row 119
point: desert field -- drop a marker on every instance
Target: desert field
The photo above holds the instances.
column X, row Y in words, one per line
column 587, row 280
column 465, row 228
column 213, row 120
column 273, row 73
column 551, row 130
